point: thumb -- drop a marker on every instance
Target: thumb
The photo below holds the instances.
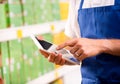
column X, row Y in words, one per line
column 45, row 53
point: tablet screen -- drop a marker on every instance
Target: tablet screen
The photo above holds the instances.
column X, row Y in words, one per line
column 46, row 45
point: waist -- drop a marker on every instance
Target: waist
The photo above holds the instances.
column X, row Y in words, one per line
column 101, row 67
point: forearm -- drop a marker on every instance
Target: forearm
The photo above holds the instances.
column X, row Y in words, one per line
column 111, row 46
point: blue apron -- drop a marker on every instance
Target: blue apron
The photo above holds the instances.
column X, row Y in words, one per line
column 100, row 23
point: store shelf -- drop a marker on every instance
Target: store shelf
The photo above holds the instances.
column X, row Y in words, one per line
column 11, row 33
column 51, row 76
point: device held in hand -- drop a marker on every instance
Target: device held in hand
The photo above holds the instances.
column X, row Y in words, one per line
column 49, row 47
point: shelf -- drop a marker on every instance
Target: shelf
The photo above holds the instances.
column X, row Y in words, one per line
column 53, row 75
column 11, row 33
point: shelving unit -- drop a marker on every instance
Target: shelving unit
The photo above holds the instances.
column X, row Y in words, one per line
column 12, row 33
column 26, row 31
column 49, row 77
column 18, row 23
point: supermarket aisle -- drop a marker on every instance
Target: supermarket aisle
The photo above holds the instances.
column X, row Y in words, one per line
column 20, row 60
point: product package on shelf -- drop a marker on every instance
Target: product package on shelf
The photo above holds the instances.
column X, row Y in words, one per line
column 15, row 18
column 5, row 62
column 55, row 9
column 36, row 62
column 2, row 16
column 64, row 9
column 28, row 11
column 15, row 13
column 16, row 66
column 4, row 52
column 42, row 9
column 28, row 61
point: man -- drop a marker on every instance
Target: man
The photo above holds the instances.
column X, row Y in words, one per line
column 99, row 46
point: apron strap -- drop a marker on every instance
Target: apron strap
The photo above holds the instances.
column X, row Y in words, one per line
column 81, row 4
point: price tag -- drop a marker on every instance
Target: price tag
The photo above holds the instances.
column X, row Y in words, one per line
column 19, row 33
column 52, row 27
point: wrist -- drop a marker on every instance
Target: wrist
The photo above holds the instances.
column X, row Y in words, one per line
column 105, row 44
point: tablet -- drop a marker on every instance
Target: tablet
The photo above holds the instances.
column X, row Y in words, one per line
column 49, row 47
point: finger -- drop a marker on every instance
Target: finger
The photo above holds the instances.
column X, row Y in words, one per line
column 78, row 53
column 82, row 57
column 62, row 62
column 51, row 57
column 58, row 59
column 45, row 53
column 40, row 37
column 74, row 49
column 68, row 43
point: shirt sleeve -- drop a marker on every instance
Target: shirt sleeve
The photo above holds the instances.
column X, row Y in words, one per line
column 72, row 29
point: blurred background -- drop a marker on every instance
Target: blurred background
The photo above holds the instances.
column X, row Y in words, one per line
column 20, row 60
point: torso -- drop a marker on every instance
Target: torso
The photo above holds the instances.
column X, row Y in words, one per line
column 100, row 21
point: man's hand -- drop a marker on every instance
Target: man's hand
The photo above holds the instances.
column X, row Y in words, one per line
column 53, row 57
column 83, row 48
